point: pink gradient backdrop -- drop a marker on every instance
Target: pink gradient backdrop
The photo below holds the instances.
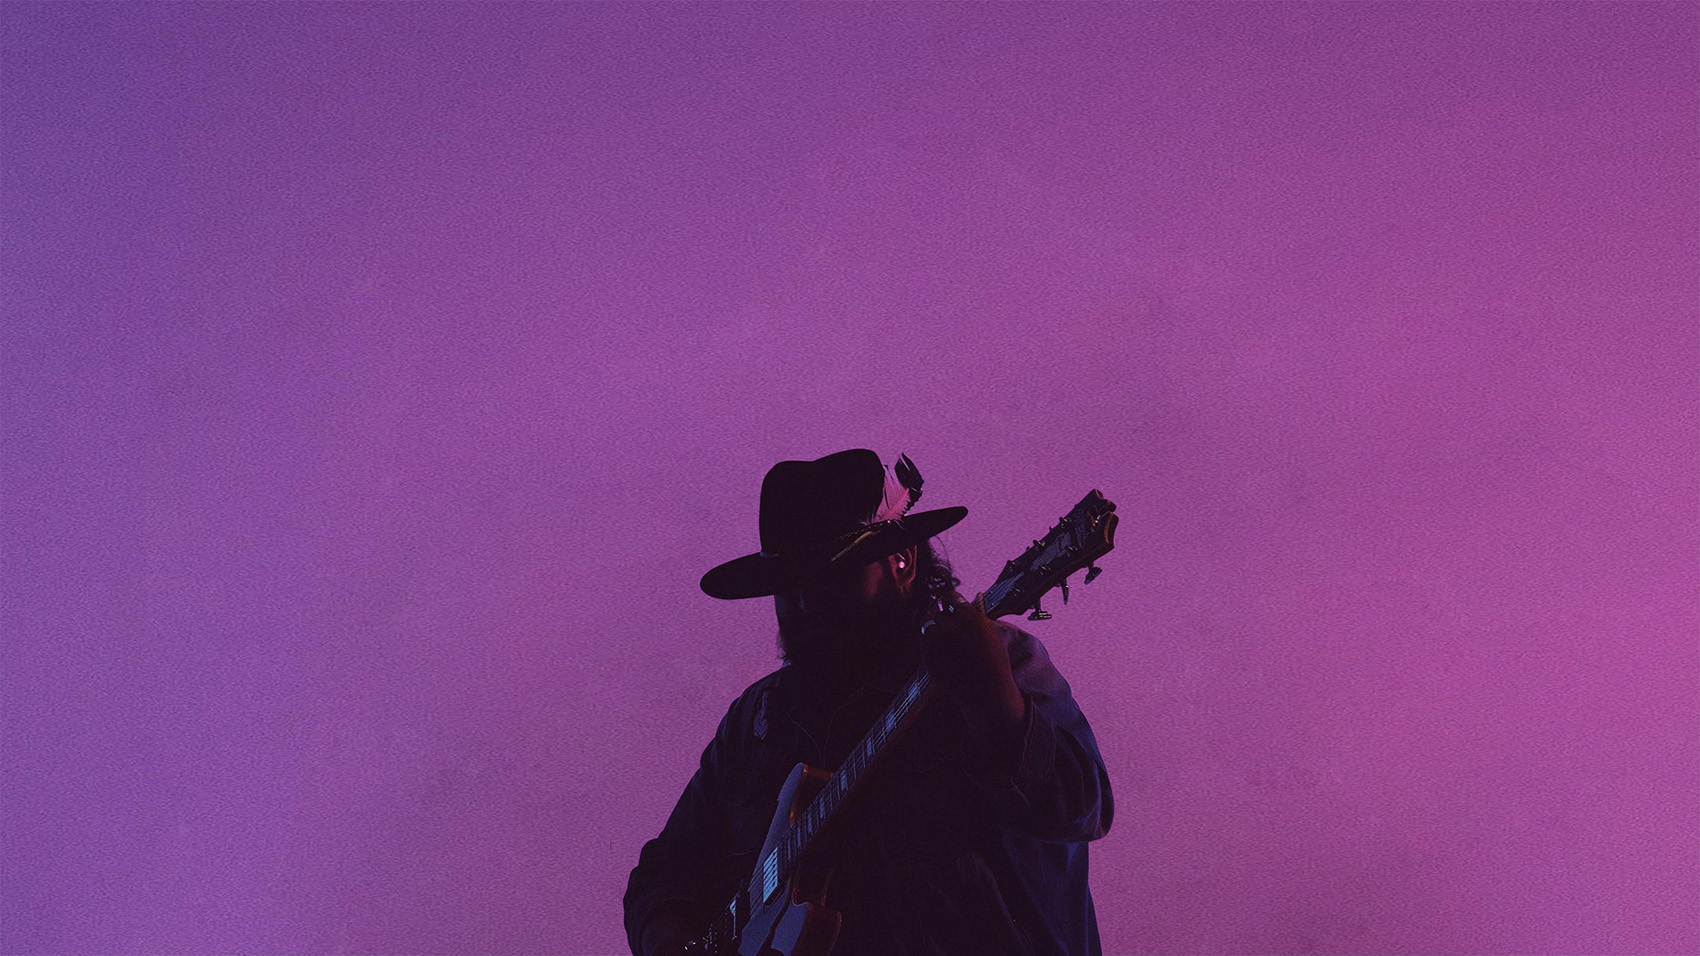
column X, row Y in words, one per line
column 379, row 379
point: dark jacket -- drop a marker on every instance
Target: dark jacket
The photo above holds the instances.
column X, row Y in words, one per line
column 942, row 852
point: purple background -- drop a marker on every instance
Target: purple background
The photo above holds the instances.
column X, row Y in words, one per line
column 379, row 379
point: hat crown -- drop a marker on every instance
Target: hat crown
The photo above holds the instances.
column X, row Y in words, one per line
column 846, row 507
column 806, row 503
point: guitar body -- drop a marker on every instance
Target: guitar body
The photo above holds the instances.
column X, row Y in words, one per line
column 794, row 921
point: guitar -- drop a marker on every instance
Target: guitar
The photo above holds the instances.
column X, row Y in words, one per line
column 781, row 909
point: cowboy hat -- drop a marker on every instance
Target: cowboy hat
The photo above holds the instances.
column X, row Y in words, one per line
column 842, row 510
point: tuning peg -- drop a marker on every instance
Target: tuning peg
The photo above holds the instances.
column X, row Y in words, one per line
column 1065, row 591
column 1093, row 572
column 1039, row 613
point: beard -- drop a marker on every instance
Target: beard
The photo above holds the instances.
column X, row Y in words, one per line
column 855, row 642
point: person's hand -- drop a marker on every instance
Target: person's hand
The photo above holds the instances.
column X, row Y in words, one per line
column 966, row 657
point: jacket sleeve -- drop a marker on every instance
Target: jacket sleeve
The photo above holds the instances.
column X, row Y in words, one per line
column 678, row 868
column 1056, row 788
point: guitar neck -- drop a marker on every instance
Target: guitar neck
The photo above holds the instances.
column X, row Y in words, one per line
column 904, row 708
column 898, row 716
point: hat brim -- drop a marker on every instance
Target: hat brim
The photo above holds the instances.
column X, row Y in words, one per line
column 758, row 575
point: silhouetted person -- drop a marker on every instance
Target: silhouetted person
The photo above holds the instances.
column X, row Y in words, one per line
column 970, row 837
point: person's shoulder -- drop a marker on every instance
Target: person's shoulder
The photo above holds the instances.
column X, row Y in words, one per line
column 1027, row 654
column 763, row 684
column 1019, row 640
column 750, row 709
column 1011, row 631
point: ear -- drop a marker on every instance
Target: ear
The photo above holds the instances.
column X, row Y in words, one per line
column 902, row 567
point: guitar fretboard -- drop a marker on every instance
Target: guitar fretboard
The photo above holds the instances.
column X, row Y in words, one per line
column 775, row 869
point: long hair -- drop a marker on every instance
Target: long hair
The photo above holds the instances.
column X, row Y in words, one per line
column 935, row 581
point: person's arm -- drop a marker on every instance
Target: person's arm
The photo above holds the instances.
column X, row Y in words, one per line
column 1048, row 779
column 669, row 894
column 1039, row 763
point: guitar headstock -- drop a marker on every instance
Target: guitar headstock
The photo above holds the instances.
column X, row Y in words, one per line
column 1077, row 541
